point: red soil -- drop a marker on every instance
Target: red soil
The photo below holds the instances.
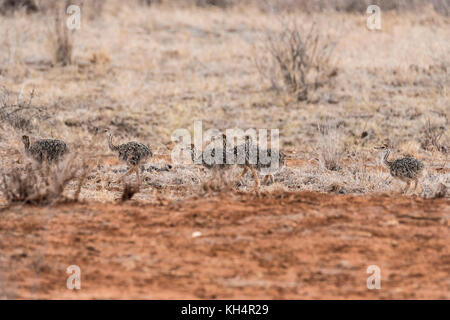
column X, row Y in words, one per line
column 283, row 245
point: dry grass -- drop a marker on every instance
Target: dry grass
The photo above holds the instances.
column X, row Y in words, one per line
column 432, row 136
column 43, row 184
column 329, row 148
column 19, row 112
column 144, row 71
column 298, row 58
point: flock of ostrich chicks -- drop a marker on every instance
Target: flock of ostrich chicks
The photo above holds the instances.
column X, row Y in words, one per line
column 407, row 169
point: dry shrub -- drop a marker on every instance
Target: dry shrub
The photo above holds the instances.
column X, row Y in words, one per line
column 299, row 59
column 432, row 136
column 329, row 148
column 19, row 113
column 43, row 184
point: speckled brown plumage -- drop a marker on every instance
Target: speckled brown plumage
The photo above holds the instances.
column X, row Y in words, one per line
column 133, row 153
column 45, row 150
column 252, row 158
column 253, row 150
column 208, row 156
column 406, row 169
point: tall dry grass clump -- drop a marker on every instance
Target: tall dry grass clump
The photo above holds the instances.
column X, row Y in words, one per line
column 43, row 184
column 298, row 58
column 329, row 147
column 432, row 137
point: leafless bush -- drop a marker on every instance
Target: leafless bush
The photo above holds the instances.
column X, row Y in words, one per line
column 299, row 59
column 329, row 148
column 43, row 184
column 432, row 135
column 19, row 113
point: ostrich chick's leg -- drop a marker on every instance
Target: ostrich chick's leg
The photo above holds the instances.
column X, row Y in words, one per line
column 127, row 173
column 408, row 184
column 136, row 168
column 269, row 178
column 242, row 174
column 255, row 176
column 415, row 185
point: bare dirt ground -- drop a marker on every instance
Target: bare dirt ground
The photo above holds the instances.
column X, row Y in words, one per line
column 146, row 71
column 231, row 246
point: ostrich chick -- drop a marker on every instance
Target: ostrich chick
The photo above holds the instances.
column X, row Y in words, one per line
column 133, row 153
column 45, row 150
column 406, row 169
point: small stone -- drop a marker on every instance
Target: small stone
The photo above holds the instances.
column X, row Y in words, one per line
column 196, row 234
column 392, row 222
